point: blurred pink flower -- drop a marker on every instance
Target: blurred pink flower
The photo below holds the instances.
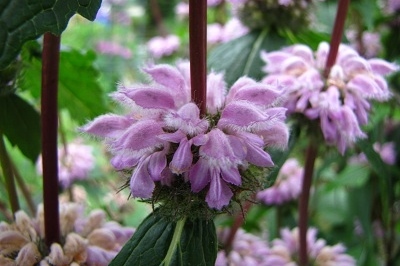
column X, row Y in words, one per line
column 247, row 249
column 217, row 33
column 113, row 48
column 74, row 163
column 283, row 251
column 163, row 46
column 287, row 185
column 386, row 150
column 370, row 41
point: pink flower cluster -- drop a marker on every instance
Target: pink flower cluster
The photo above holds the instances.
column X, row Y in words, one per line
column 113, row 48
column 75, row 163
column 247, row 249
column 341, row 101
column 163, row 138
column 163, row 46
column 283, row 251
column 287, row 185
column 217, row 33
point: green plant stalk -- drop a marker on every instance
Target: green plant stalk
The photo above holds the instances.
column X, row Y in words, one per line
column 25, row 191
column 49, row 110
column 176, row 238
column 8, row 176
column 311, row 155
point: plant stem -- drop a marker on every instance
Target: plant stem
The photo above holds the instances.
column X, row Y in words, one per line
column 25, row 191
column 311, row 155
column 176, row 238
column 239, row 220
column 8, row 176
column 50, row 61
column 157, row 16
column 198, row 52
column 337, row 34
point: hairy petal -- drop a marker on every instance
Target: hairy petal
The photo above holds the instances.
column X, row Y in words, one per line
column 108, row 126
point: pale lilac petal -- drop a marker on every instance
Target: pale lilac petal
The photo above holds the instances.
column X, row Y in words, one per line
column 259, row 94
column 124, row 160
column 241, row 114
column 152, row 98
column 187, row 119
column 237, row 86
column 276, row 136
column 141, row 184
column 199, row 175
column 183, row 157
column 216, row 90
column 200, row 139
column 364, row 85
column 167, row 76
column 231, row 175
column 141, row 135
column 302, row 51
column 110, row 125
column 156, row 164
column 382, row 67
column 219, row 194
column 173, row 80
column 174, row 137
column 274, row 61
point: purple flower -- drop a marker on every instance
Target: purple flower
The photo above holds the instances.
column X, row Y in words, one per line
column 113, row 48
column 163, row 46
column 76, row 160
column 247, row 249
column 284, row 251
column 341, row 101
column 163, row 138
column 287, row 185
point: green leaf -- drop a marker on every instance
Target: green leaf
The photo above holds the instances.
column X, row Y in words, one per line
column 160, row 241
column 352, row 176
column 241, row 57
column 79, row 91
column 20, row 123
column 21, row 21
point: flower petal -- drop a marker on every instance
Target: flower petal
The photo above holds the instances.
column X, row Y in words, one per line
column 199, row 175
column 183, row 157
column 219, row 194
column 110, row 125
column 141, row 184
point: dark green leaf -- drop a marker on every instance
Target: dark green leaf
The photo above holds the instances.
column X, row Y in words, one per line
column 21, row 21
column 79, row 91
column 241, row 57
column 20, row 123
column 156, row 242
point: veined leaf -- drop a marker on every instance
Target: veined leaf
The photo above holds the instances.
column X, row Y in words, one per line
column 25, row 20
column 20, row 123
column 79, row 91
column 160, row 241
column 241, row 57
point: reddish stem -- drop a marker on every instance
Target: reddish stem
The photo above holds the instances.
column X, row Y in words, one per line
column 239, row 220
column 337, row 34
column 198, row 52
column 50, row 61
column 311, row 155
